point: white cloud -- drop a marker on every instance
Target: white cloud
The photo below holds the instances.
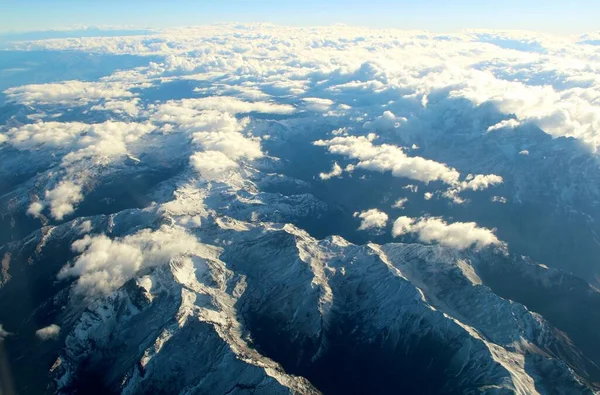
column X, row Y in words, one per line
column 106, row 140
column 380, row 73
column 214, row 130
column 234, row 105
column 234, row 145
column 63, row 198
column 524, row 152
column 427, row 195
column 371, row 219
column 400, row 203
column 193, row 119
column 481, row 181
column 67, row 92
column 35, row 209
column 505, row 124
column 48, row 333
column 453, row 195
column 340, row 132
column 389, row 158
column 412, row 188
column 499, row 199
column 402, row 226
column 386, row 122
column 380, row 65
column 572, row 112
column 459, row 235
column 3, row 333
column 129, row 107
column 472, row 182
column 46, row 134
column 249, row 91
column 212, row 165
column 105, row 264
column 86, row 226
column 3, row 138
column 77, row 148
column 336, row 171
column 317, row 104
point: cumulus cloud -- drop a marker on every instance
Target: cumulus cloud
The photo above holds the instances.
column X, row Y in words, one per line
column 233, row 145
column 214, row 130
column 67, row 92
column 386, row 122
column 187, row 117
column 388, row 157
column 376, row 66
column 379, row 65
column 212, row 165
column 372, row 219
column 524, row 152
column 62, row 199
column 317, row 104
column 48, row 333
column 287, row 62
column 46, row 134
column 76, row 147
column 335, row 171
column 402, row 226
column 400, row 203
column 459, row 235
column 86, row 226
column 570, row 112
column 481, row 181
column 105, row 264
column 35, row 209
column 129, row 107
column 106, row 140
column 427, row 195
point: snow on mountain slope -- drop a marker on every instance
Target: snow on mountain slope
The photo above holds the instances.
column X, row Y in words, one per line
column 255, row 298
column 269, row 298
column 146, row 336
column 283, row 311
column 222, row 219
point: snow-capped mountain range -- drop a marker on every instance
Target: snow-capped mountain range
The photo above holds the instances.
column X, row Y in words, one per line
column 232, row 217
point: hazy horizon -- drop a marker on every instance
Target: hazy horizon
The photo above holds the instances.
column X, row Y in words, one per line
column 437, row 16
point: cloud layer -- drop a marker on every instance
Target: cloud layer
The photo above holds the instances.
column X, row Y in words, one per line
column 553, row 83
column 370, row 96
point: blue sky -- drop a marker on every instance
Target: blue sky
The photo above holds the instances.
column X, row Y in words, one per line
column 575, row 16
